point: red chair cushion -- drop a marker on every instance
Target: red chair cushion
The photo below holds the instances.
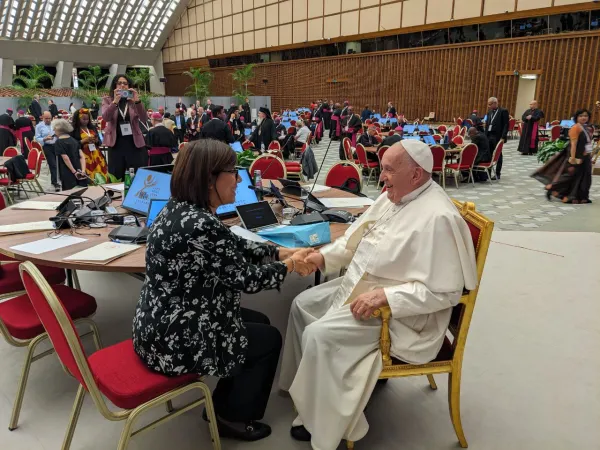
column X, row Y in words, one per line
column 5, row 182
column 126, row 381
column 29, row 176
column 437, row 169
column 3, row 170
column 10, row 279
column 457, row 166
column 22, row 321
column 292, row 164
column 371, row 164
column 484, row 164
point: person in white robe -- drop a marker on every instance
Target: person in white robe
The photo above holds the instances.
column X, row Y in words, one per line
column 410, row 250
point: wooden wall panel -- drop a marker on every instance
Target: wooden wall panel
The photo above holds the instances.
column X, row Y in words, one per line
column 450, row 80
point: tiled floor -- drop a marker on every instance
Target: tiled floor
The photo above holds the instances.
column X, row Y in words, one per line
column 516, row 202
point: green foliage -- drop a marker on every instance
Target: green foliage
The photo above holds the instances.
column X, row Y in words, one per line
column 200, row 87
column 32, row 77
column 145, row 99
column 549, row 148
column 245, row 158
column 99, row 178
column 92, row 78
column 241, row 77
column 114, row 179
column 140, row 77
column 88, row 96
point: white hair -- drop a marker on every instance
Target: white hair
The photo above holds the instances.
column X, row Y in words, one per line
column 61, row 126
column 492, row 99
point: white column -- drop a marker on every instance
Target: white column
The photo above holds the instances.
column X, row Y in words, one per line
column 64, row 75
column 157, row 72
column 6, row 71
column 114, row 70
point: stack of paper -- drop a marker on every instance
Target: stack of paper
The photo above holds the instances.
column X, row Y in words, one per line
column 346, row 202
column 29, row 227
column 40, row 206
column 103, row 253
column 48, row 244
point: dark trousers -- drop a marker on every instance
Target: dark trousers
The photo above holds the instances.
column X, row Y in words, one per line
column 125, row 155
column 179, row 134
column 493, row 142
column 244, row 397
column 50, row 155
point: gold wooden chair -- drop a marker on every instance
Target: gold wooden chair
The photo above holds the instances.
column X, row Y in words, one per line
column 450, row 357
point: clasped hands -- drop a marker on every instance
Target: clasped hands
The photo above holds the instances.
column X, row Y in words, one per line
column 306, row 260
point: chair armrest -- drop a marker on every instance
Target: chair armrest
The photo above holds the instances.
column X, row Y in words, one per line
column 385, row 342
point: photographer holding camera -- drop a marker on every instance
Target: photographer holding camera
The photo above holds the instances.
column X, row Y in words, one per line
column 122, row 111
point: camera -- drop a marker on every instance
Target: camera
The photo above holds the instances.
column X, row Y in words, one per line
column 126, row 94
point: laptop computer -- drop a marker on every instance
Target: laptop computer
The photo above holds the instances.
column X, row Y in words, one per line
column 243, row 195
column 257, row 216
column 150, row 183
column 237, row 147
column 156, row 206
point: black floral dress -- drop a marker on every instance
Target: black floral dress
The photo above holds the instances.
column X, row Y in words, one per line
column 188, row 316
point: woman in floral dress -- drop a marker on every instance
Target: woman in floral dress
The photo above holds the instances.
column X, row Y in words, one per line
column 188, row 318
column 87, row 136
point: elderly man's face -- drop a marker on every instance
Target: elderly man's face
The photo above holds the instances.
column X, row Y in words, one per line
column 533, row 105
column 47, row 118
column 493, row 104
column 371, row 132
column 399, row 173
column 261, row 115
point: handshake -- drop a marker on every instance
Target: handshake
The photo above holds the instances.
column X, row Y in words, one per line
column 303, row 261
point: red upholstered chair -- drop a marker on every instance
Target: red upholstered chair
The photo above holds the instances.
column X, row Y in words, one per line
column 459, row 141
column 437, row 138
column 469, row 121
column 274, row 145
column 377, row 125
column 341, row 172
column 555, row 122
column 34, row 162
column 466, row 160
column 381, row 152
column 368, row 122
column 246, row 145
column 555, row 132
column 10, row 152
column 450, row 357
column 277, row 153
column 271, row 167
column 442, row 129
column 291, row 130
column 439, row 163
column 115, row 372
column 511, row 127
column 488, row 167
column 463, row 132
column 370, row 166
column 458, row 121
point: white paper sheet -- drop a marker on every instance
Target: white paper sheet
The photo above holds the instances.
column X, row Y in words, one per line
column 48, row 244
column 317, row 188
column 116, row 187
column 249, row 235
column 103, row 253
column 346, row 202
column 40, row 206
column 29, row 227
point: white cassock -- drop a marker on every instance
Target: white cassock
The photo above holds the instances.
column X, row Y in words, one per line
column 421, row 253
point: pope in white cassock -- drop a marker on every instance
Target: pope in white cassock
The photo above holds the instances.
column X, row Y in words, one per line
column 412, row 251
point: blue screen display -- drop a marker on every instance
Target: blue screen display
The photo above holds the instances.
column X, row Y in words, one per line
column 424, row 128
column 147, row 185
column 409, row 129
column 413, row 138
column 237, row 146
column 156, row 206
column 429, row 140
column 566, row 123
column 243, row 195
column 247, row 131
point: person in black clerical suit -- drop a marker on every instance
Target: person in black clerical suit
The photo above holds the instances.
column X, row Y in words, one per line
column 236, row 126
column 193, row 125
column 24, row 129
column 496, row 128
column 528, row 144
column 264, row 132
column 160, row 142
column 7, row 132
column 391, row 111
column 179, row 122
column 216, row 128
column 54, row 109
column 36, row 109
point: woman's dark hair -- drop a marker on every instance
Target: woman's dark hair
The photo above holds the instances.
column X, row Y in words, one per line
column 77, row 121
column 197, row 167
column 70, row 105
column 113, row 83
column 580, row 112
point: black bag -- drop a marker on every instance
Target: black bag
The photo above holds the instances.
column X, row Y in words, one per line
column 352, row 185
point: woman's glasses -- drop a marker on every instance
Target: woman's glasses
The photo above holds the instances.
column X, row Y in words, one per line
column 233, row 171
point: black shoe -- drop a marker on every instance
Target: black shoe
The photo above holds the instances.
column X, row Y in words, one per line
column 300, row 433
column 548, row 195
column 252, row 430
column 57, row 188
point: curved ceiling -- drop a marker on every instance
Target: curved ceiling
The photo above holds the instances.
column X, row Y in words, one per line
column 134, row 24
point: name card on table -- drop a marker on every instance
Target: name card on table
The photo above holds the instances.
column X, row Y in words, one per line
column 103, row 253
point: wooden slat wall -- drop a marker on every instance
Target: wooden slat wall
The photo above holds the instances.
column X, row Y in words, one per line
column 450, row 80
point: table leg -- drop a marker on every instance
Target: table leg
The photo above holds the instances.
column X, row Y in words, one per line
column 69, row 278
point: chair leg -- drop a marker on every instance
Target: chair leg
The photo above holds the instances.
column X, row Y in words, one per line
column 349, row 445
column 74, row 417
column 212, row 417
column 432, row 383
column 14, row 419
column 170, row 408
column 454, row 403
column 472, row 177
column 76, row 282
column 456, row 178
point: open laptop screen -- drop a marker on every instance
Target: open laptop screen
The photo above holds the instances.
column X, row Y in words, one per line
column 156, row 206
column 257, row 215
column 147, row 185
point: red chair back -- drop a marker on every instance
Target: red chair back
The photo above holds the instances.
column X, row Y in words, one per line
column 555, row 122
column 555, row 132
column 37, row 145
column 361, row 153
column 293, row 123
column 459, row 121
column 274, row 145
column 381, row 152
column 2, row 206
column 467, row 156
column 497, row 152
column 10, row 152
column 348, row 149
column 458, row 140
column 342, row 172
column 291, row 130
column 28, row 144
column 437, row 137
column 463, row 131
column 368, row 122
column 377, row 125
column 511, row 124
column 442, row 129
column 271, row 167
column 32, row 160
column 277, row 153
column 54, row 317
column 439, row 156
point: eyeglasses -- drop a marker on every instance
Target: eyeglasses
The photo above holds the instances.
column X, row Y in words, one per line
column 233, row 171
column 122, row 83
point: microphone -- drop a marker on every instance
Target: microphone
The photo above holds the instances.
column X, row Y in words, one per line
column 100, row 202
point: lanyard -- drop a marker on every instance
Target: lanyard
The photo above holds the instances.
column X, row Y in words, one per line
column 493, row 116
column 87, row 132
column 123, row 113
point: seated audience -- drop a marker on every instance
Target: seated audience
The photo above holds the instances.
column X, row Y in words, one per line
column 192, row 126
column 71, row 160
column 192, row 321
column 369, row 141
column 411, row 251
column 160, row 142
column 87, row 135
column 298, row 140
column 391, row 140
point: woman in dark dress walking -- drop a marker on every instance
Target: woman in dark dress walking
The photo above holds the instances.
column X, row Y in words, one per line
column 568, row 174
column 71, row 164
